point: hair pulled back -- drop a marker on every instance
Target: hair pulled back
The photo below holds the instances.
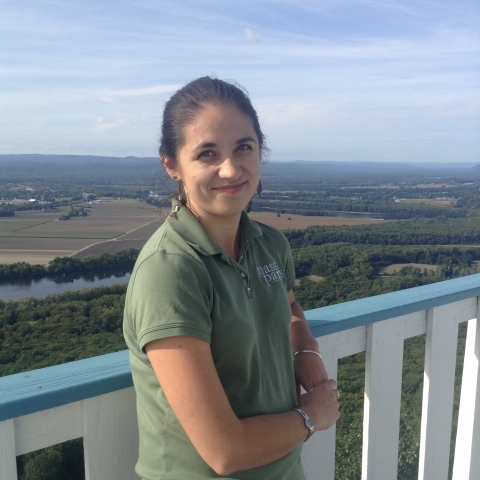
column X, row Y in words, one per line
column 186, row 103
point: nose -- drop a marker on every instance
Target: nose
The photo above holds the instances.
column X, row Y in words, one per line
column 229, row 169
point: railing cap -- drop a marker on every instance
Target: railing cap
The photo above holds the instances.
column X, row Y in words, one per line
column 356, row 313
column 50, row 387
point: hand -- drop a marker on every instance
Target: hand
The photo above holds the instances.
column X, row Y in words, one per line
column 321, row 405
column 309, row 370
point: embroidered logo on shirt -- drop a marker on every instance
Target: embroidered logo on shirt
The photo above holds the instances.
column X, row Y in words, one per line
column 270, row 273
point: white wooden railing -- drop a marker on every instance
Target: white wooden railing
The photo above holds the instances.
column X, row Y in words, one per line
column 94, row 398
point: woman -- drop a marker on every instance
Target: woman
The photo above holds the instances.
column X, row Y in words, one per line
column 210, row 317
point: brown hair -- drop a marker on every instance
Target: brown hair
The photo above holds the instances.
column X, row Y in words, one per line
column 187, row 102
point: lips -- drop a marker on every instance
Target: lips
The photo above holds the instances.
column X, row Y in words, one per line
column 230, row 189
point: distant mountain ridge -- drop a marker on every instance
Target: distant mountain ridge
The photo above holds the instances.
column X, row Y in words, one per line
column 95, row 169
column 101, row 160
column 77, row 168
column 37, row 157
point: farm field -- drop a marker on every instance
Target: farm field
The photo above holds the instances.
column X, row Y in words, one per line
column 110, row 227
column 313, row 278
column 38, row 237
column 301, row 221
column 428, row 201
column 134, row 239
column 10, row 226
column 34, row 257
column 396, row 267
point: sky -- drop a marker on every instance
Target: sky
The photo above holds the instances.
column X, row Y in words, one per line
column 332, row 80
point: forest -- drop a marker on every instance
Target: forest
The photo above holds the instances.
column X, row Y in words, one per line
column 437, row 225
column 102, row 265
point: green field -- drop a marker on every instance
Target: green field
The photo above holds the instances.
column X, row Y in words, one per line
column 9, row 226
column 36, row 234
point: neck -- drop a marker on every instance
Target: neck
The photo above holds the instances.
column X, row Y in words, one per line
column 225, row 233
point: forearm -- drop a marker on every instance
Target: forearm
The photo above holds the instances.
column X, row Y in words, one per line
column 258, row 441
column 309, row 368
column 301, row 337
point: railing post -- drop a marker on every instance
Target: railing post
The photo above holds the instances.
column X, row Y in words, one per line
column 318, row 455
column 8, row 463
column 467, row 448
column 110, row 436
column 439, row 380
column 383, row 390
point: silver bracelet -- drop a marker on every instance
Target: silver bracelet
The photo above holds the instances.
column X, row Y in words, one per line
column 308, row 422
column 307, row 351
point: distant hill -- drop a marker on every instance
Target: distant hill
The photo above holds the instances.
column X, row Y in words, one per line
column 141, row 170
column 87, row 168
column 37, row 157
column 80, row 160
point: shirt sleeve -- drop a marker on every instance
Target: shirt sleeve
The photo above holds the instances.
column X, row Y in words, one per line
column 169, row 296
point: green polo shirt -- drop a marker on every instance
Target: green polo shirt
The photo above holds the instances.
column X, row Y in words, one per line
column 185, row 284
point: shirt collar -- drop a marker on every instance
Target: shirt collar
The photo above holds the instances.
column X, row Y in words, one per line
column 186, row 225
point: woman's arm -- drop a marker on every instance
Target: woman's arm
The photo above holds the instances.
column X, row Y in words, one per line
column 187, row 375
column 309, row 369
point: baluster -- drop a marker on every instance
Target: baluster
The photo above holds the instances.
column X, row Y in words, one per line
column 110, row 436
column 439, row 378
column 8, row 464
column 383, row 389
column 318, row 455
column 467, row 448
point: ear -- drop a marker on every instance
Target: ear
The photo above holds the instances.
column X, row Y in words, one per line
column 168, row 165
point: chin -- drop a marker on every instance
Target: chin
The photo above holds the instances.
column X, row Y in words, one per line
column 230, row 210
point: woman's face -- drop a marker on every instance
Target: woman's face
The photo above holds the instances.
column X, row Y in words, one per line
column 219, row 163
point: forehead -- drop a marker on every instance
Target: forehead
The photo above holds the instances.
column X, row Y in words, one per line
column 218, row 122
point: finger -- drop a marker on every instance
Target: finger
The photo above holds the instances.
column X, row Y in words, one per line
column 330, row 384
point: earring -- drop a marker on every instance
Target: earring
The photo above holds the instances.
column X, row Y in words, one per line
column 259, row 188
column 174, row 213
column 180, row 200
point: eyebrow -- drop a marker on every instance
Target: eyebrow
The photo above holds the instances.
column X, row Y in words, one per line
column 213, row 144
column 246, row 139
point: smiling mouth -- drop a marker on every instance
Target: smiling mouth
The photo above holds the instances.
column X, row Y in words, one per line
column 237, row 187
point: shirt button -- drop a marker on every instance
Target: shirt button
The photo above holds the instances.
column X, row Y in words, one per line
column 243, row 275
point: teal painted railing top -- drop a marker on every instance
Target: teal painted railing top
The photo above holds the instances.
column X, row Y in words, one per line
column 343, row 316
column 51, row 387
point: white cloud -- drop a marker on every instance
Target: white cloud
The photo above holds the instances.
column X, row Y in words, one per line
column 252, row 36
column 109, row 96
column 137, row 92
column 102, row 125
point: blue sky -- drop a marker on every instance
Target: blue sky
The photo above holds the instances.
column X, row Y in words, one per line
column 375, row 80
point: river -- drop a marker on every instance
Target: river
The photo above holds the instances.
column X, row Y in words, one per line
column 41, row 287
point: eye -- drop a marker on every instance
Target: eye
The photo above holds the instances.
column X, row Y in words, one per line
column 244, row 147
column 206, row 153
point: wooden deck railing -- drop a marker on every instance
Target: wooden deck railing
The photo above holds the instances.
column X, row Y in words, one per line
column 94, row 398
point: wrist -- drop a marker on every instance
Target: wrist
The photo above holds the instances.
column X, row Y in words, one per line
column 307, row 422
column 310, row 344
column 307, row 351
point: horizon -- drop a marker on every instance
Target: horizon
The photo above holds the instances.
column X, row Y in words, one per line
column 456, row 165
column 389, row 81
